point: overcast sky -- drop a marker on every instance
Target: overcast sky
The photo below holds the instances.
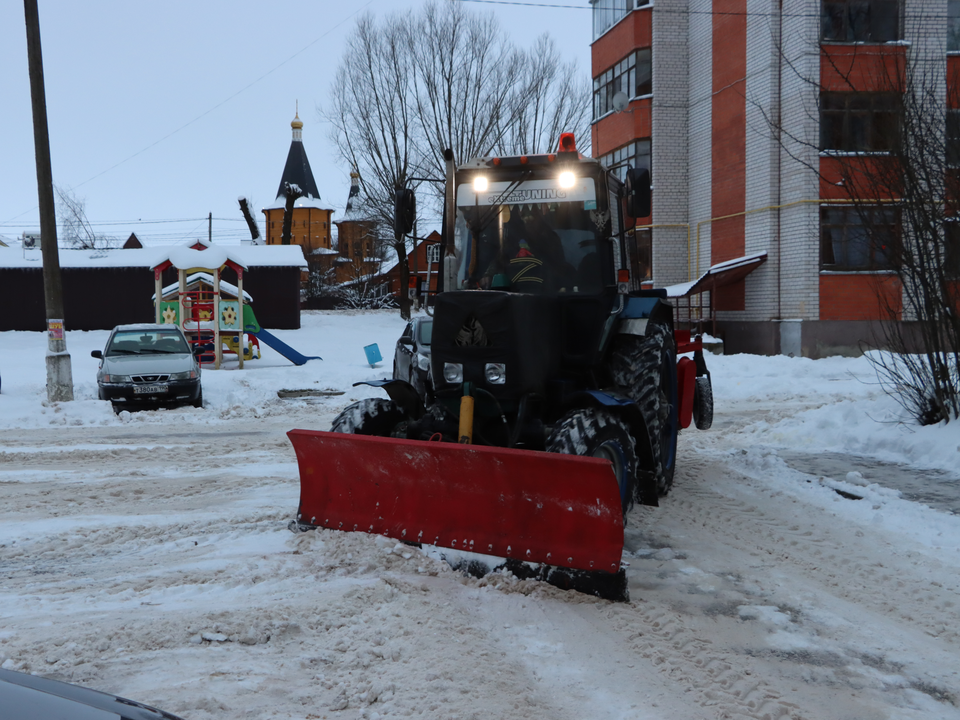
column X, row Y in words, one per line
column 163, row 112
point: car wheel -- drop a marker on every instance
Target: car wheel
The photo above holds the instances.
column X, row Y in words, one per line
column 198, row 403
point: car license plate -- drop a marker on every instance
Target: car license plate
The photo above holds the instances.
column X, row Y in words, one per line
column 149, row 389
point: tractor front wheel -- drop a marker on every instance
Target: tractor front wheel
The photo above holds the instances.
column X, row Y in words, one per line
column 374, row 416
column 596, row 433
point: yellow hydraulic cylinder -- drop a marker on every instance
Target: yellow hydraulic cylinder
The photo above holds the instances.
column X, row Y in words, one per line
column 466, row 420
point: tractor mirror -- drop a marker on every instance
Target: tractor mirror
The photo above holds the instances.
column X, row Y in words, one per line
column 404, row 212
column 637, row 192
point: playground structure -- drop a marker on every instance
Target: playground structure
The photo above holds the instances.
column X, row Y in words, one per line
column 212, row 313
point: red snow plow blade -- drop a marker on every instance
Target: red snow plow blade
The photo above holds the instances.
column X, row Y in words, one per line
column 561, row 510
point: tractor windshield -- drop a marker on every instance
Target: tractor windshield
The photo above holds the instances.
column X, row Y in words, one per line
column 532, row 237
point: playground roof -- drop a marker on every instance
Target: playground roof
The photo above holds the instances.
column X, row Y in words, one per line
column 247, row 256
column 226, row 287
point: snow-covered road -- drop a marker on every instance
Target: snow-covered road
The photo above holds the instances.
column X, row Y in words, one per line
column 149, row 556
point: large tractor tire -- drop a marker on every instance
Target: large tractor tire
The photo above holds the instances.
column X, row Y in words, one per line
column 374, row 416
column 644, row 368
column 703, row 403
column 596, row 433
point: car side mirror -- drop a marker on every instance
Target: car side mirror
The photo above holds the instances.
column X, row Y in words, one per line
column 404, row 211
column 97, row 354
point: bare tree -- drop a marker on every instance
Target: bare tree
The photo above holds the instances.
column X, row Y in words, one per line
column 890, row 153
column 251, row 223
column 373, row 123
column 922, row 365
column 465, row 71
column 292, row 194
column 418, row 83
column 75, row 228
column 550, row 98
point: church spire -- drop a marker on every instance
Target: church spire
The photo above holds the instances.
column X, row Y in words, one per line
column 297, row 125
column 297, row 169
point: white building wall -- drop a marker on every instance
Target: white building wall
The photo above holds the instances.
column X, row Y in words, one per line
column 925, row 31
column 799, row 280
column 671, row 180
column 700, row 140
column 763, row 157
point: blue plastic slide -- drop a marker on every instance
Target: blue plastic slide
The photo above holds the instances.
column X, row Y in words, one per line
column 281, row 347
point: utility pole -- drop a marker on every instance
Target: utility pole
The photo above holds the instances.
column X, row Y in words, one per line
column 210, row 228
column 59, row 372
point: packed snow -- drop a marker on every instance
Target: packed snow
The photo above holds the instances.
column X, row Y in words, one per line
column 805, row 564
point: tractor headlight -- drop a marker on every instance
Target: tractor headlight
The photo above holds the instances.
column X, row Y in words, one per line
column 496, row 373
column 480, row 183
column 567, row 179
column 453, row 372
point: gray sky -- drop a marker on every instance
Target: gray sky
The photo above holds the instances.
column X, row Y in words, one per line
column 170, row 110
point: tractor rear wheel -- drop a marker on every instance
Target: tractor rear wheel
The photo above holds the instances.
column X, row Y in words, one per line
column 596, row 433
column 703, row 403
column 372, row 416
column 644, row 368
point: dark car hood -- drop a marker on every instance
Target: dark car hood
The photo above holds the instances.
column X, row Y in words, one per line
column 30, row 697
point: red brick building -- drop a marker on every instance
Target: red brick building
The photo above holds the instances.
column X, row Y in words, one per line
column 751, row 117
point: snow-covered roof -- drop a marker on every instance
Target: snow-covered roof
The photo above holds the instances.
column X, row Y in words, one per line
column 303, row 202
column 249, row 256
column 747, row 263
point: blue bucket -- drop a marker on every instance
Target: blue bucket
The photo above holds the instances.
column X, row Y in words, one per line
column 373, row 354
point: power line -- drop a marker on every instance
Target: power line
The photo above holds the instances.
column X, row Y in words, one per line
column 228, row 99
column 215, row 107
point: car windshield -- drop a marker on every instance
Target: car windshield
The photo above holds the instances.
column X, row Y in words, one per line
column 147, row 342
column 510, row 239
column 426, row 332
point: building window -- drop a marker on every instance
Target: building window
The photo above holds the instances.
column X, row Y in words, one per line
column 859, row 122
column 632, row 76
column 607, row 13
column 859, row 238
column 860, row 21
column 953, row 26
column 641, row 257
column 953, row 138
column 635, row 154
